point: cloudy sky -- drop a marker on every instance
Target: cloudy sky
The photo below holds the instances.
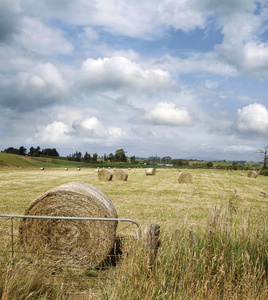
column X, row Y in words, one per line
column 183, row 78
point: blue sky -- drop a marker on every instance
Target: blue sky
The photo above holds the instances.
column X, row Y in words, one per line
column 183, row 78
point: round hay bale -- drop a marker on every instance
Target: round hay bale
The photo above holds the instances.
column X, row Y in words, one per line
column 150, row 171
column 66, row 169
column 120, row 175
column 252, row 174
column 78, row 169
column 185, row 177
column 71, row 243
column 105, row 175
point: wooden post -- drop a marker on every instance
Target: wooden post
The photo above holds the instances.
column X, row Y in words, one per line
column 153, row 241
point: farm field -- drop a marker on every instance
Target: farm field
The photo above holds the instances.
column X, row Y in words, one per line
column 160, row 199
column 157, row 199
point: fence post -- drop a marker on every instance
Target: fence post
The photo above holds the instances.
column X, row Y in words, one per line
column 153, row 241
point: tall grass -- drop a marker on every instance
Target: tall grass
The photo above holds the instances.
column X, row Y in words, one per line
column 226, row 212
column 20, row 283
column 222, row 263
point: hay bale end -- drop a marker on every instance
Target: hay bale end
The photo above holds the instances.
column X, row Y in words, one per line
column 74, row 243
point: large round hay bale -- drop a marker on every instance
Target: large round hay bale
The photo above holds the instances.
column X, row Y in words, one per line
column 150, row 171
column 252, row 174
column 120, row 175
column 105, row 174
column 71, row 243
column 185, row 177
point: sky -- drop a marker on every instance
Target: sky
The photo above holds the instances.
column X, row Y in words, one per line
column 180, row 78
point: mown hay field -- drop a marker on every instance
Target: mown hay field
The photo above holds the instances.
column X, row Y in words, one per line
column 226, row 211
column 157, row 199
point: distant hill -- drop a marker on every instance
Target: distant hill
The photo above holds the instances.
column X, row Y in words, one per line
column 20, row 161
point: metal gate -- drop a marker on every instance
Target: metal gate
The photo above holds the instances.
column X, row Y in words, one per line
column 76, row 277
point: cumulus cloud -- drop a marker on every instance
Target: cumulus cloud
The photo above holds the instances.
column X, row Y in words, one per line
column 168, row 114
column 39, row 38
column 120, row 72
column 184, row 15
column 253, row 119
column 242, row 46
column 56, row 132
column 196, row 62
column 91, row 127
column 42, row 87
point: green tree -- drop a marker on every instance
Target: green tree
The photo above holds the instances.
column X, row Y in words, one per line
column 95, row 157
column 133, row 159
column 120, row 155
column 11, row 150
column 105, row 158
column 50, row 152
column 37, row 151
column 166, row 159
column 209, row 164
column 111, row 157
column 87, row 157
column 22, row 150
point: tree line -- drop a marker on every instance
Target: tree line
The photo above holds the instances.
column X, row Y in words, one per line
column 36, row 152
column 118, row 156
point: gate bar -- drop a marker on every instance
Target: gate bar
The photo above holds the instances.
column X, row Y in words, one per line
column 76, row 218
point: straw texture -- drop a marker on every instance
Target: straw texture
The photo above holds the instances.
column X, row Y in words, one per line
column 252, row 174
column 70, row 242
column 120, row 175
column 105, row 174
column 150, row 171
column 185, row 177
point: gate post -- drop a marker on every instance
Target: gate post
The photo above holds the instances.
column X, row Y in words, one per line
column 153, row 241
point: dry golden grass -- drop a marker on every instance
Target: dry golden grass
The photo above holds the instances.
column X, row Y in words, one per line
column 146, row 199
column 163, row 200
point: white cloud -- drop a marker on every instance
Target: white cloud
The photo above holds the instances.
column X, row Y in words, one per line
column 116, row 132
column 56, row 132
column 194, row 63
column 42, row 86
column 120, row 72
column 182, row 14
column 168, row 114
column 91, row 127
column 242, row 46
column 39, row 38
column 253, row 119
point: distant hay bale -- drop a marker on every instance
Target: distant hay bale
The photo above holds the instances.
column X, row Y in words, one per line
column 120, row 175
column 105, row 174
column 71, row 243
column 150, row 171
column 78, row 169
column 185, row 177
column 252, row 174
column 42, row 169
column 66, row 169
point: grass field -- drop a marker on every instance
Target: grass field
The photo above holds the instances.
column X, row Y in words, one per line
column 147, row 199
column 232, row 199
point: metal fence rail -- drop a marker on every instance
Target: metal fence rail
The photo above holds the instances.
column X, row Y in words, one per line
column 13, row 251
